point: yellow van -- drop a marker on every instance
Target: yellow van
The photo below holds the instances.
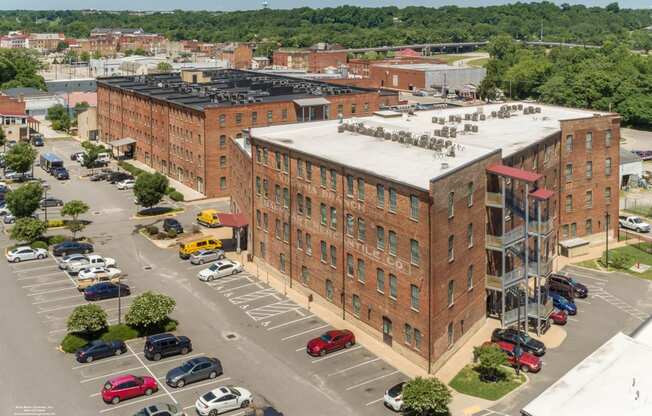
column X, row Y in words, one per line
column 209, row 218
column 206, row 243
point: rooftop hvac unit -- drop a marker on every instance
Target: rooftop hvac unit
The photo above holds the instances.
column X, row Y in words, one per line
column 451, row 151
column 451, row 118
column 467, row 116
column 467, row 127
column 453, row 134
column 340, row 128
column 388, row 135
column 474, row 117
column 435, row 120
column 494, row 114
column 537, row 109
column 444, row 133
column 437, row 132
column 474, row 128
column 514, row 107
column 444, row 165
column 458, row 119
column 394, row 137
column 483, row 117
column 520, row 107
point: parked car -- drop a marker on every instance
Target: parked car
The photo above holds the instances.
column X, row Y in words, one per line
column 92, row 260
column 60, row 173
column 65, row 261
column 514, row 336
column 38, row 141
column 9, row 219
column 527, row 362
column 634, row 223
column 223, row 399
column 170, row 224
column 196, row 369
column 94, row 272
column 4, row 210
column 125, row 387
column 219, row 269
column 85, row 282
column 163, row 345
column 126, row 184
column 100, row 349
column 393, row 397
column 51, row 202
column 563, row 303
column 71, row 247
column 206, row 256
column 106, row 290
column 75, row 156
column 100, row 176
column 25, row 253
column 160, row 409
column 330, row 341
column 567, row 285
column 205, row 243
column 115, row 177
column 559, row 317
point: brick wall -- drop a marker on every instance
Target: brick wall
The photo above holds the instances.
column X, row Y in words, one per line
column 319, row 61
column 406, row 79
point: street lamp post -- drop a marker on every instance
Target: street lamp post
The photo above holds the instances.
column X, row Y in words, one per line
column 606, row 239
column 119, row 301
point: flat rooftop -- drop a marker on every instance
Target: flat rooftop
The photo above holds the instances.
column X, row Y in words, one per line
column 431, row 158
column 427, row 67
column 226, row 88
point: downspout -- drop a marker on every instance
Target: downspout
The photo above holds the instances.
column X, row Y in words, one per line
column 343, row 256
column 204, row 157
column 151, row 132
column 502, row 251
column 527, row 256
column 253, row 201
column 290, row 213
column 430, row 204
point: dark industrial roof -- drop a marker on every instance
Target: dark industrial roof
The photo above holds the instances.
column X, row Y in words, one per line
column 227, row 87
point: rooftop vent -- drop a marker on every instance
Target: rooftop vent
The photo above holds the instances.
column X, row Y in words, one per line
column 444, row 165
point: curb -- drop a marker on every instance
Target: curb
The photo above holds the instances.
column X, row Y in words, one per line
column 166, row 215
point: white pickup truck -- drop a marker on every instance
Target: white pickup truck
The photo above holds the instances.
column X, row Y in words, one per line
column 634, row 223
column 90, row 261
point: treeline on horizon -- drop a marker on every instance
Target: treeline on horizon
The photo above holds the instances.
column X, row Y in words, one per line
column 352, row 26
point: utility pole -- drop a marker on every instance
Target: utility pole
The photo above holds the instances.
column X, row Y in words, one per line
column 541, row 36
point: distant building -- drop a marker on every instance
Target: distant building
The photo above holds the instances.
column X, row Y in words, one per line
column 440, row 77
column 45, row 42
column 14, row 120
column 360, row 66
column 237, row 55
column 36, row 102
column 14, row 40
column 259, row 62
column 631, row 168
column 71, row 85
column 314, row 59
column 87, row 124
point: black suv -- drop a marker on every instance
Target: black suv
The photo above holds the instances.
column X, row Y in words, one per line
column 567, row 286
column 170, row 224
column 514, row 336
column 72, row 247
column 163, row 345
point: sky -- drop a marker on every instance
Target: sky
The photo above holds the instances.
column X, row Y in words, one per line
column 256, row 4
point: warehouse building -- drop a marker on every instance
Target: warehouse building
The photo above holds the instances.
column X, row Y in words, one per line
column 417, row 76
column 181, row 123
column 418, row 226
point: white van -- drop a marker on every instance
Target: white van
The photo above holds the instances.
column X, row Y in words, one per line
column 104, row 157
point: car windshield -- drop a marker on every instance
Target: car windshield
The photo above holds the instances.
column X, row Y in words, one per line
column 209, row 397
column 234, row 391
column 186, row 367
column 526, row 338
column 326, row 337
column 573, row 281
column 636, row 220
column 396, row 390
column 213, row 267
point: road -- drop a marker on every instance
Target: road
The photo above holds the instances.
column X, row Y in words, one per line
column 257, row 333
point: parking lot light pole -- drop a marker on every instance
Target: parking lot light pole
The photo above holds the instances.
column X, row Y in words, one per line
column 45, row 205
column 606, row 240
column 119, row 301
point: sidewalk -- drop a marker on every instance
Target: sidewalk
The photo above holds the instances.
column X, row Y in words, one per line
column 189, row 194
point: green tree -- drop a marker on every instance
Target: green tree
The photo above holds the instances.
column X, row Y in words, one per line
column 61, row 46
column 149, row 309
column 20, row 158
column 74, row 208
column 85, row 56
column 97, row 54
column 150, row 188
column 490, row 358
column 164, row 66
column 28, row 229
column 426, row 397
column 23, row 201
column 3, row 139
column 87, row 319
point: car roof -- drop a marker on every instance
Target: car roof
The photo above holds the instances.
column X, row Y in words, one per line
column 121, row 378
column 22, row 247
column 159, row 337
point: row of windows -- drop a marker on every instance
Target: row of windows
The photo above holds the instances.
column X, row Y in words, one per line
column 588, row 199
column 570, row 230
column 588, row 169
column 222, row 118
column 470, row 188
column 588, row 140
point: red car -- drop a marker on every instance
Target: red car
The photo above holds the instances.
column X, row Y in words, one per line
column 126, row 387
column 559, row 317
column 528, row 362
column 330, row 341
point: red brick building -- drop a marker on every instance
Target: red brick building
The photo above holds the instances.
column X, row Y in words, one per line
column 417, row 237
column 315, row 59
column 181, row 124
column 238, row 55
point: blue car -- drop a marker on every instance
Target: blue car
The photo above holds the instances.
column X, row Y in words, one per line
column 106, row 290
column 560, row 302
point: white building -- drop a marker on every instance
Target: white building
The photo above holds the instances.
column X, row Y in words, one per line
column 631, row 168
column 14, row 40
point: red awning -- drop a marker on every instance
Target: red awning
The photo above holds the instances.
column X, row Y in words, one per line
column 542, row 194
column 514, row 173
column 233, row 220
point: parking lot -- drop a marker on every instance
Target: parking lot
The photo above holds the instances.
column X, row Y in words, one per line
column 258, row 334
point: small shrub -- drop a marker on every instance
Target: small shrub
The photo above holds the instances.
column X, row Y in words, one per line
column 55, row 223
column 56, row 239
column 152, row 230
column 121, row 332
column 169, row 190
column 40, row 244
column 168, row 325
column 161, row 236
column 176, row 196
column 172, row 234
column 73, row 342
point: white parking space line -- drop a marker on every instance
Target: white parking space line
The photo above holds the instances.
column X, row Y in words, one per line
column 105, row 360
column 56, row 299
column 43, row 292
column 355, row 386
column 130, row 402
column 219, row 284
column 582, row 301
column 344, row 370
column 35, row 268
column 42, row 275
column 375, row 401
column 301, row 349
column 87, row 380
column 237, row 287
column 255, row 295
column 78, row 304
column 152, row 374
column 184, row 357
column 271, row 328
column 305, row 332
column 336, row 354
column 274, row 309
column 54, row 282
column 573, row 319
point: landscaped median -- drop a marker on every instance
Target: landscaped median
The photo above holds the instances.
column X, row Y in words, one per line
column 170, row 191
column 147, row 315
column 634, row 259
